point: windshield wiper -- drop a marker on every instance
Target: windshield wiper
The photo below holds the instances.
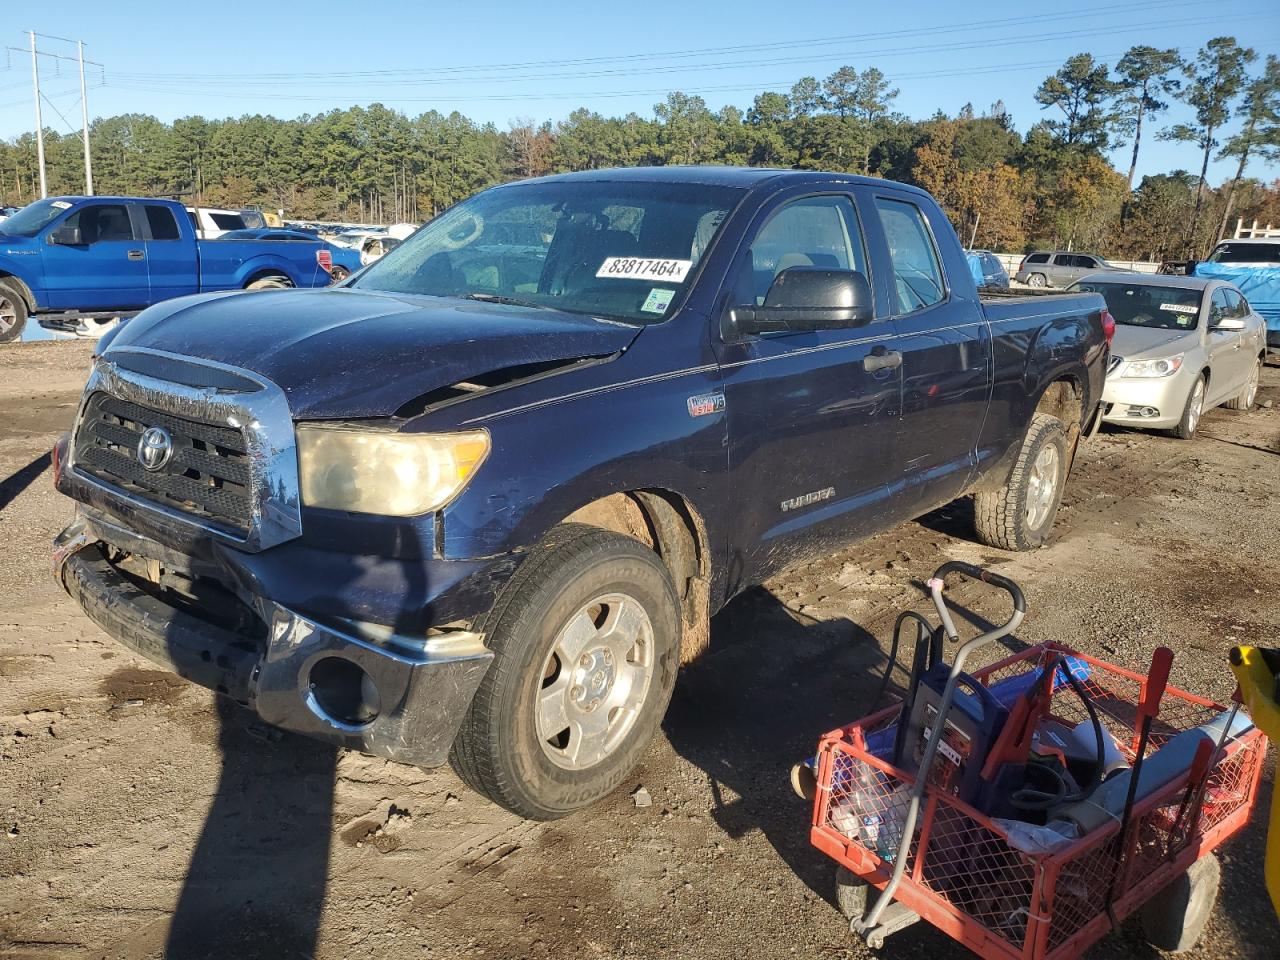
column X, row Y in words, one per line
column 511, row 301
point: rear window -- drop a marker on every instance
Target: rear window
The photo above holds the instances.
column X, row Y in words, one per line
column 1148, row 305
column 1242, row 251
column 227, row 221
column 1038, row 258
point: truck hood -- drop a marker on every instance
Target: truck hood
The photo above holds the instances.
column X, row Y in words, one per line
column 341, row 354
column 1144, row 342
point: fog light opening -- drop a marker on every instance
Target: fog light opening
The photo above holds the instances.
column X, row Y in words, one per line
column 343, row 692
column 1136, row 410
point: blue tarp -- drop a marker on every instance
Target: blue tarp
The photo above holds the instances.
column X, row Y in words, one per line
column 975, row 268
column 1260, row 285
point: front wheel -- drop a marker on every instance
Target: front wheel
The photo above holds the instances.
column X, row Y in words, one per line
column 1020, row 514
column 1249, row 392
column 586, row 643
column 13, row 313
column 1186, row 428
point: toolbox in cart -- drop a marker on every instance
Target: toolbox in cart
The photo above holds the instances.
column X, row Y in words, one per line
column 961, row 872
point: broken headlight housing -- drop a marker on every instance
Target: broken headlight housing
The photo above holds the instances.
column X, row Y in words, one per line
column 385, row 472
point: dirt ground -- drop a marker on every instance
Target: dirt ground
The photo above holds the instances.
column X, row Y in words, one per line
column 142, row 819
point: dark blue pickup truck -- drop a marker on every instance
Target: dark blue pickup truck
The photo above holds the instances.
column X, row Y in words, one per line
column 75, row 257
column 479, row 502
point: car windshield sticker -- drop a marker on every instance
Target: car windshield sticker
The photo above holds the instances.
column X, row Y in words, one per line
column 658, row 300
column 1179, row 308
column 640, row 268
column 61, row 204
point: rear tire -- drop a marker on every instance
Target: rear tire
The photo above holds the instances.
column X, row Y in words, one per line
column 276, row 281
column 586, row 637
column 1020, row 514
column 1249, row 392
column 13, row 313
column 1192, row 412
column 1174, row 918
column 1037, row 280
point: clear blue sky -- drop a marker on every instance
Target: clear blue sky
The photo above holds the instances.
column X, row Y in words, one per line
column 498, row 61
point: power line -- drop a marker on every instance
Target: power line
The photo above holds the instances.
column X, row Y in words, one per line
column 913, row 32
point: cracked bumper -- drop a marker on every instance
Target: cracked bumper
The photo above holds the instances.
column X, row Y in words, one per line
column 421, row 686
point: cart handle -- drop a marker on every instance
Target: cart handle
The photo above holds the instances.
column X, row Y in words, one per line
column 937, row 583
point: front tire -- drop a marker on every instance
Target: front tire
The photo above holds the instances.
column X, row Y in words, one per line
column 1191, row 413
column 1020, row 514
column 1249, row 392
column 586, row 643
column 13, row 313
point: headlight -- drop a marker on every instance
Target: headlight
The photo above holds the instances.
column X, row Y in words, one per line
column 1164, row 367
column 382, row 472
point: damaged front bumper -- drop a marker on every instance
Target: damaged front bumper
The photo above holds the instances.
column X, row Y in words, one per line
column 360, row 686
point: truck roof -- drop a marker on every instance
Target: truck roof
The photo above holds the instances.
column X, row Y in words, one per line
column 745, row 177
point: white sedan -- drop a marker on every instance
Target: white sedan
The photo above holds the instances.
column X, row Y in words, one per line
column 1183, row 345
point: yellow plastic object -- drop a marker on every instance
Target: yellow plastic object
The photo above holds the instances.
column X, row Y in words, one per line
column 1258, row 680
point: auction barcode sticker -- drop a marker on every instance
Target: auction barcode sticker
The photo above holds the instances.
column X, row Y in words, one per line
column 640, row 268
column 1179, row 308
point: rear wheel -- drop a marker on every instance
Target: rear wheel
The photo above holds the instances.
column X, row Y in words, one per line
column 1037, row 280
column 1174, row 918
column 275, row 281
column 1249, row 392
column 13, row 313
column 586, row 643
column 1020, row 514
column 1186, row 428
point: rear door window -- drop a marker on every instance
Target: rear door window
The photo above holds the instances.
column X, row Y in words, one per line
column 1064, row 260
column 161, row 221
column 917, row 271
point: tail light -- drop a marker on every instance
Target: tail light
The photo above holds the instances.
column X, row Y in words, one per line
column 325, row 259
column 1021, row 264
column 1108, row 325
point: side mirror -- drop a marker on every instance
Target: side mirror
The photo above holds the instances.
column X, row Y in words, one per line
column 805, row 299
column 1227, row 323
column 66, row 236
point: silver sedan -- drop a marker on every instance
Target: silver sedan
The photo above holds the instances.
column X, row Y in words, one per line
column 1183, row 345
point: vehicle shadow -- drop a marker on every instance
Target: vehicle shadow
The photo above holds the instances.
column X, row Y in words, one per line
column 256, row 883
column 22, row 478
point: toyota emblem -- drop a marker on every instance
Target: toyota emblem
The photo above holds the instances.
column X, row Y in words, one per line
column 155, row 448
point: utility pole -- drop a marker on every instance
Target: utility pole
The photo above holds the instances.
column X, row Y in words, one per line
column 84, row 113
column 35, row 80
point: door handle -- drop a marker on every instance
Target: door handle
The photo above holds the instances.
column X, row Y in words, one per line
column 136, row 254
column 881, row 359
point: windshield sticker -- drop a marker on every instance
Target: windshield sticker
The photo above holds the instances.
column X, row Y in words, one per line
column 640, row 268
column 1179, row 308
column 658, row 300
column 61, row 204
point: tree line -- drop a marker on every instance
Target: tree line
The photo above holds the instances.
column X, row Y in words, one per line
column 1053, row 186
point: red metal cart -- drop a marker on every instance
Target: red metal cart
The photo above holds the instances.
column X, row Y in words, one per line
column 963, row 875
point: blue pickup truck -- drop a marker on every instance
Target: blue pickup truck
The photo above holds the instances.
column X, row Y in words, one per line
column 86, row 256
column 479, row 502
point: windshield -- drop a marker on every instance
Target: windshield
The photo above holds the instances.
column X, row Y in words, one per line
column 1243, row 252
column 1148, row 305
column 33, row 218
column 621, row 250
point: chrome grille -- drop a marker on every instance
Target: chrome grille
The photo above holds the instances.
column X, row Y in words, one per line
column 208, row 475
